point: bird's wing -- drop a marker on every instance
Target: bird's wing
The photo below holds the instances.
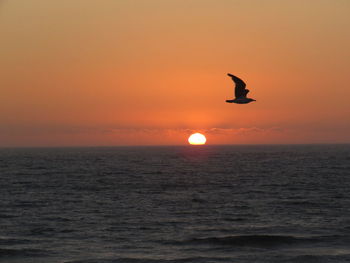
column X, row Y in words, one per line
column 240, row 90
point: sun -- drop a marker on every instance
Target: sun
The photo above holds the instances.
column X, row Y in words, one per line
column 197, row 139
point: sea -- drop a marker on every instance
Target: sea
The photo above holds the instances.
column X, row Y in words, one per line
column 205, row 204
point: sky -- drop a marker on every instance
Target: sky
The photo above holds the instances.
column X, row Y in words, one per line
column 151, row 72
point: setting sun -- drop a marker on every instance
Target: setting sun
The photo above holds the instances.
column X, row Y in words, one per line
column 197, row 139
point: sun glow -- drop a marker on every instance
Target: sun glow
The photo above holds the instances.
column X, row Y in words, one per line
column 197, row 139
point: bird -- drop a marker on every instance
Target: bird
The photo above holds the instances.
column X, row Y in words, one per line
column 240, row 91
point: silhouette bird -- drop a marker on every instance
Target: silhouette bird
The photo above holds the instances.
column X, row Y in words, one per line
column 240, row 91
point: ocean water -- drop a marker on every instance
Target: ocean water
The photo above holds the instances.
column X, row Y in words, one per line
column 175, row 204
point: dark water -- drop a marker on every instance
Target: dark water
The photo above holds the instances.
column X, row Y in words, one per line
column 175, row 204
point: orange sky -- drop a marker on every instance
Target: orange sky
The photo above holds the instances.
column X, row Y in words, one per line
column 127, row 72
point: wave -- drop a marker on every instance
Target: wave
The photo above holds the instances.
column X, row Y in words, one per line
column 4, row 252
column 318, row 258
column 145, row 260
column 13, row 241
column 253, row 240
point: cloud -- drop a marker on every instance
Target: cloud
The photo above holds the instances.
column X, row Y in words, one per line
column 243, row 131
column 65, row 129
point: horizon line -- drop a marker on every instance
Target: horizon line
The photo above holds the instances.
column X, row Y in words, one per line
column 171, row 145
